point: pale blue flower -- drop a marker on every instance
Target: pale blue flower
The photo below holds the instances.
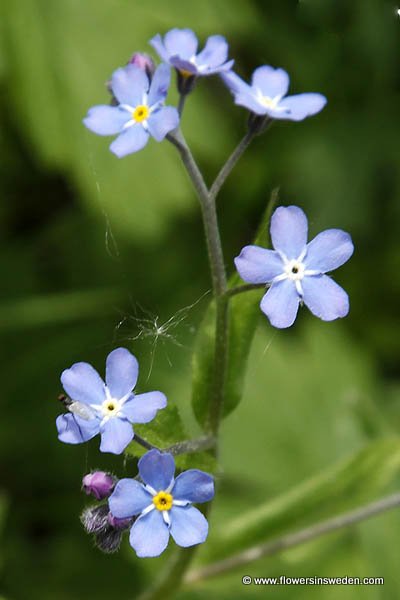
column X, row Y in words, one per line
column 107, row 408
column 296, row 271
column 162, row 504
column 140, row 111
column 267, row 95
column 179, row 49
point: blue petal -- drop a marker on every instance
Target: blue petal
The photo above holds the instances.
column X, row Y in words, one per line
column 83, row 384
column 149, row 535
column 159, row 47
column 328, row 250
column 235, row 83
column 181, row 42
column 106, row 120
column 157, row 469
column 214, row 53
column 271, row 82
column 131, row 140
column 159, row 84
column 301, row 106
column 220, row 69
column 193, row 485
column 142, row 408
column 129, row 84
column 325, row 298
column 281, row 303
column 116, row 434
column 188, row 526
column 289, row 231
column 73, row 430
column 128, row 499
column 162, row 122
column 121, row 372
column 183, row 65
column 249, row 101
column 258, row 265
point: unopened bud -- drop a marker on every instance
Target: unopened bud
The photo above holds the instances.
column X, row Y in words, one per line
column 118, row 523
column 95, row 518
column 109, row 540
column 98, row 484
column 144, row 62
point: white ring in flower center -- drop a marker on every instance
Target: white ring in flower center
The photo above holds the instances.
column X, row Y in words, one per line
column 295, row 270
column 110, row 407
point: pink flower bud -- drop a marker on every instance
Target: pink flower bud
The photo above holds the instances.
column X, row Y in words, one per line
column 98, row 484
column 144, row 62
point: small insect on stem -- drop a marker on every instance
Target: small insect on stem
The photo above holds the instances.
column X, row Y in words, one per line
column 77, row 408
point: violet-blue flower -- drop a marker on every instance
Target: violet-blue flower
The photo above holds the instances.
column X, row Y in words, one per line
column 267, row 95
column 179, row 49
column 162, row 504
column 297, row 270
column 107, row 408
column 139, row 112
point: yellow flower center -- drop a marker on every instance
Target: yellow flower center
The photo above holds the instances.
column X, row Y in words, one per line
column 268, row 102
column 185, row 73
column 140, row 113
column 163, row 501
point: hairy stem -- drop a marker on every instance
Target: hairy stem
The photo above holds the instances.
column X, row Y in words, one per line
column 294, row 539
column 186, row 447
column 218, row 274
column 209, row 213
column 230, row 163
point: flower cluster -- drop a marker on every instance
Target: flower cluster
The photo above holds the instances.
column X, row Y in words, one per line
column 156, row 504
column 139, row 91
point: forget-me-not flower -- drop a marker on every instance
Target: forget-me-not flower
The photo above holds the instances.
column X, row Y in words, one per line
column 107, row 408
column 139, row 112
column 297, row 270
column 267, row 95
column 162, row 504
column 179, row 49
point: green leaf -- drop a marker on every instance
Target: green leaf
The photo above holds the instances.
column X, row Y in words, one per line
column 243, row 317
column 166, row 430
column 344, row 486
column 163, row 431
column 205, row 461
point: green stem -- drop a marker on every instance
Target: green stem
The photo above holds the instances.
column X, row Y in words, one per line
column 294, row 539
column 185, row 447
column 167, row 584
column 209, row 213
column 231, row 162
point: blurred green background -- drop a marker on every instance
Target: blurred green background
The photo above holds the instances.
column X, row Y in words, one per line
column 95, row 249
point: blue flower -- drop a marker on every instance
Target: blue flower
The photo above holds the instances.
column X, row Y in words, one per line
column 162, row 504
column 297, row 270
column 179, row 50
column 140, row 112
column 267, row 95
column 106, row 408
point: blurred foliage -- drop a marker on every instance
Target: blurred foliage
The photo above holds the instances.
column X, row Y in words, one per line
column 95, row 248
